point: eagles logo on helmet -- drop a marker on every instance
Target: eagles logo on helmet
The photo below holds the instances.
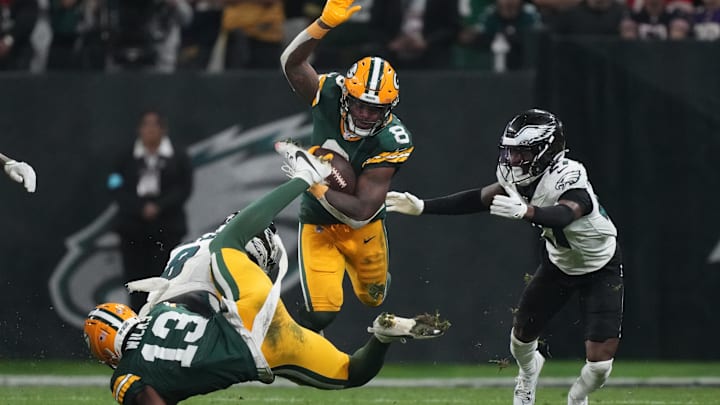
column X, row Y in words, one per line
column 532, row 141
column 370, row 91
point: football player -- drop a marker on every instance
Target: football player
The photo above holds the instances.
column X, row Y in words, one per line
column 538, row 184
column 20, row 172
column 353, row 116
column 214, row 318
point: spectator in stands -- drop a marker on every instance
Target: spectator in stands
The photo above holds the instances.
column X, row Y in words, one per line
column 512, row 19
column 254, row 30
column 151, row 183
column 298, row 15
column 706, row 21
column 67, row 22
column 146, row 33
column 200, row 36
column 655, row 21
column 590, row 17
column 357, row 36
column 425, row 31
column 17, row 21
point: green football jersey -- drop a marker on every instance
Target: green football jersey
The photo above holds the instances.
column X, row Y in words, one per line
column 181, row 354
column 391, row 146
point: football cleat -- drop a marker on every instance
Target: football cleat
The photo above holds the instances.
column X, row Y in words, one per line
column 389, row 328
column 524, row 393
column 301, row 164
column 572, row 401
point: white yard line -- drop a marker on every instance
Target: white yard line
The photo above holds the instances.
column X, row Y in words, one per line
column 79, row 381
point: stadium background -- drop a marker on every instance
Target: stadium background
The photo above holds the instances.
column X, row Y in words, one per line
column 643, row 118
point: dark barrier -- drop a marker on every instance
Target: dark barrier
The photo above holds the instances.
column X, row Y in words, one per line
column 641, row 117
column 644, row 118
column 59, row 257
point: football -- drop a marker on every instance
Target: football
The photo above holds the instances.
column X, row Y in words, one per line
column 342, row 177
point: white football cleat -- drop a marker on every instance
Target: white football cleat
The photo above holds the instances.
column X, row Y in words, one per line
column 389, row 328
column 301, row 164
column 573, row 401
column 524, row 393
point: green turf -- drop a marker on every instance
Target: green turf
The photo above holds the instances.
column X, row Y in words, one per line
column 553, row 368
column 252, row 395
column 368, row 395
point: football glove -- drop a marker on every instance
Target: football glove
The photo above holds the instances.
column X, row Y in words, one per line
column 300, row 164
column 337, row 12
column 511, row 206
column 404, row 203
column 22, row 173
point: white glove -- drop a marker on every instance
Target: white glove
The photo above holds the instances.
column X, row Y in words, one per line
column 302, row 164
column 511, row 206
column 22, row 173
column 404, row 203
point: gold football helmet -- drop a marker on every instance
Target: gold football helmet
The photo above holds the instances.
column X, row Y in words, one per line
column 370, row 92
column 105, row 329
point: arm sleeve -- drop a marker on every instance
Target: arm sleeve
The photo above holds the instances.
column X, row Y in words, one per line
column 257, row 216
column 463, row 202
column 561, row 215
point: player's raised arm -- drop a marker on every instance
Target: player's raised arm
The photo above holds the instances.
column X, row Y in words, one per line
column 294, row 60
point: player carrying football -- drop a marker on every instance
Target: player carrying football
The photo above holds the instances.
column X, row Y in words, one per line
column 537, row 183
column 352, row 115
column 214, row 318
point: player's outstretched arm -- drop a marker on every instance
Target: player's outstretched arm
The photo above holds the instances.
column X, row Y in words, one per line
column 20, row 172
column 294, row 60
column 460, row 203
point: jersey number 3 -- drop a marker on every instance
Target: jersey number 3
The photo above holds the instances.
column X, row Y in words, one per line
column 193, row 328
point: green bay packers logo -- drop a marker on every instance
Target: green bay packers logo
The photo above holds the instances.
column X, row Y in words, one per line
column 91, row 270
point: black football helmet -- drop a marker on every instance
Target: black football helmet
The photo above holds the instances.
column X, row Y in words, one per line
column 265, row 248
column 532, row 141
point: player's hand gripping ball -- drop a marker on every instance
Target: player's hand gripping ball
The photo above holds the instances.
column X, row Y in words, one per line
column 343, row 177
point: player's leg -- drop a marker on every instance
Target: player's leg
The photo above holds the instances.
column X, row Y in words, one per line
column 366, row 252
column 601, row 303
column 322, row 268
column 290, row 350
column 307, row 358
column 542, row 298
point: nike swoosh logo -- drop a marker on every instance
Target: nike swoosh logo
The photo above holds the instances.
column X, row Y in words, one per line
column 368, row 239
column 299, row 154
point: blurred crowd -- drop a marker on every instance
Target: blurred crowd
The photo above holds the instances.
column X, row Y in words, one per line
column 217, row 35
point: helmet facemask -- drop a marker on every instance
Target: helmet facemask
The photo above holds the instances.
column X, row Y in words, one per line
column 532, row 142
column 370, row 90
column 362, row 118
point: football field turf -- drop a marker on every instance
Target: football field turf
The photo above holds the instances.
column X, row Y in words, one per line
column 641, row 383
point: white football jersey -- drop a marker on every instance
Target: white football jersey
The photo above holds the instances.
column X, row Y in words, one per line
column 188, row 269
column 588, row 243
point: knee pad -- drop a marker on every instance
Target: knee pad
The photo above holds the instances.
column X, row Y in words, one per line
column 315, row 321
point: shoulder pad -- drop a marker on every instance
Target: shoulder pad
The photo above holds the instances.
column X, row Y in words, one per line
column 565, row 175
